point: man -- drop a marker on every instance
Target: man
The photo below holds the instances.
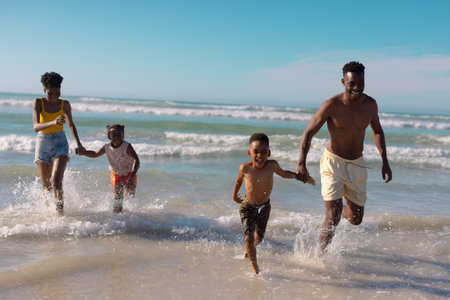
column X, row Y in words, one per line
column 342, row 168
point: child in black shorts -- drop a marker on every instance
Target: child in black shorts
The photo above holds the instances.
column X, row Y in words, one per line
column 255, row 207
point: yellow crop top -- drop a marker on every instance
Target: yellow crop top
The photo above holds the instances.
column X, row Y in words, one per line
column 45, row 117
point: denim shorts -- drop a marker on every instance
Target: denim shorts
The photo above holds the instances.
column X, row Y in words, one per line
column 50, row 146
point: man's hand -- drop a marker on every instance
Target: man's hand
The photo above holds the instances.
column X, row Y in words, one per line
column 302, row 173
column 386, row 172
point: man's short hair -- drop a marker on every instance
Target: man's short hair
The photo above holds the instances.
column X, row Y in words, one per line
column 259, row 137
column 51, row 80
column 353, row 66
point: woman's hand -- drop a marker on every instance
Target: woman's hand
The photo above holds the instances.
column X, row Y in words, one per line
column 60, row 120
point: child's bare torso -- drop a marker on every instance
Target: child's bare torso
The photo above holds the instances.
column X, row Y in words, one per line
column 258, row 182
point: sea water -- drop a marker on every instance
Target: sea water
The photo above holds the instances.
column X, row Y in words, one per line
column 181, row 237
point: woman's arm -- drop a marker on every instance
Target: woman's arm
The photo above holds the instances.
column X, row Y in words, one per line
column 37, row 126
column 73, row 130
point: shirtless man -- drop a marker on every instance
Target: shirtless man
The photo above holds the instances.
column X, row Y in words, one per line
column 255, row 207
column 342, row 168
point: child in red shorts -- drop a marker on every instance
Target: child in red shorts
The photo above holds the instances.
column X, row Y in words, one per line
column 123, row 163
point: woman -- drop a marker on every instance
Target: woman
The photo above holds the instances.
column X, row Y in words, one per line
column 52, row 150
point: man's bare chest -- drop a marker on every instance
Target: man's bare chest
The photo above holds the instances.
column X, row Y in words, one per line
column 351, row 118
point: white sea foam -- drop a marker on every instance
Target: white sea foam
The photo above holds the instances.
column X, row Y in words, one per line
column 218, row 139
column 395, row 123
column 424, row 155
column 191, row 105
column 443, row 139
column 194, row 112
column 227, row 111
column 194, row 145
column 16, row 103
column 420, row 117
column 17, row 143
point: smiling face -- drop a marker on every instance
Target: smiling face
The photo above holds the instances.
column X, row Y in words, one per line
column 52, row 94
column 116, row 136
column 259, row 152
column 353, row 83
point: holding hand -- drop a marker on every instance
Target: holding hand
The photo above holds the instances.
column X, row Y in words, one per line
column 303, row 174
column 310, row 180
column 80, row 150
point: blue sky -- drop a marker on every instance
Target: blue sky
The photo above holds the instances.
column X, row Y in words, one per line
column 246, row 52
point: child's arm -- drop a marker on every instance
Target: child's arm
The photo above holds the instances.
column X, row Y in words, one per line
column 238, row 184
column 281, row 172
column 92, row 154
column 290, row 174
column 135, row 167
column 310, row 180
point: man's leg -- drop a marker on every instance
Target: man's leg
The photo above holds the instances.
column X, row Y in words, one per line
column 333, row 211
column 353, row 212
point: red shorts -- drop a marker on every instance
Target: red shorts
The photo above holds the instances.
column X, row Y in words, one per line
column 117, row 179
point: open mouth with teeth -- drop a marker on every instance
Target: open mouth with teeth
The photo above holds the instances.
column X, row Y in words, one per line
column 259, row 161
column 355, row 94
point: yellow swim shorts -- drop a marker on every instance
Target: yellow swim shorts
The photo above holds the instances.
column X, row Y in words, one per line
column 343, row 178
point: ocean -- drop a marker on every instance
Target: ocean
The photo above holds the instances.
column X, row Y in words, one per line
column 181, row 237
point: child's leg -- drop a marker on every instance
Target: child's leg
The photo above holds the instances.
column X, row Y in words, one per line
column 250, row 250
column 118, row 197
column 261, row 223
column 131, row 186
column 258, row 239
column 131, row 192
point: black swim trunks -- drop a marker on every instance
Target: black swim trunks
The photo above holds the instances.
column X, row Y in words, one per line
column 254, row 217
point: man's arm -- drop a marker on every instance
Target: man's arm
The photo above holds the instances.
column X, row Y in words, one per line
column 378, row 138
column 238, row 184
column 314, row 125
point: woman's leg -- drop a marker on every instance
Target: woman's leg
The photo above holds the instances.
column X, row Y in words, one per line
column 44, row 173
column 56, row 180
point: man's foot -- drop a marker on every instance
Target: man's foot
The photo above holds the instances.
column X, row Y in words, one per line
column 117, row 209
column 60, row 208
column 245, row 254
